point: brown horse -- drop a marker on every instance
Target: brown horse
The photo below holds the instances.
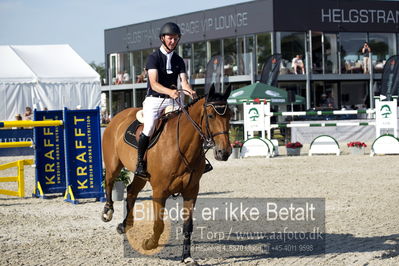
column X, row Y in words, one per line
column 176, row 162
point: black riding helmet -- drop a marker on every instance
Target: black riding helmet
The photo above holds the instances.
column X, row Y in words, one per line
column 169, row 28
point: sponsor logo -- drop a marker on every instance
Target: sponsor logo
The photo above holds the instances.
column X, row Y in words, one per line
column 253, row 114
column 385, row 111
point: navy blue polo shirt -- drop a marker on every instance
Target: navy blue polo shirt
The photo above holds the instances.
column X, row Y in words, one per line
column 157, row 60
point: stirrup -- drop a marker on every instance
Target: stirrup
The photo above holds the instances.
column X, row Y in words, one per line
column 208, row 168
column 141, row 171
column 143, row 175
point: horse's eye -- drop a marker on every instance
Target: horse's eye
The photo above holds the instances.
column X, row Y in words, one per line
column 211, row 116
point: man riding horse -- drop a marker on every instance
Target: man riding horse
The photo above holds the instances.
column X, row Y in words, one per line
column 204, row 121
column 164, row 67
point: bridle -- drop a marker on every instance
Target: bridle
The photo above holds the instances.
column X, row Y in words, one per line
column 220, row 108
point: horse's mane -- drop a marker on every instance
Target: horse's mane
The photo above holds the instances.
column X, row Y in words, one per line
column 215, row 97
column 190, row 104
column 194, row 102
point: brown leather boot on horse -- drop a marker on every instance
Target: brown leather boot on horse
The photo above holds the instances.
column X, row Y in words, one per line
column 141, row 168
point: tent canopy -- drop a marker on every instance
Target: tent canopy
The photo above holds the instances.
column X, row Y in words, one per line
column 262, row 91
column 44, row 63
column 51, row 76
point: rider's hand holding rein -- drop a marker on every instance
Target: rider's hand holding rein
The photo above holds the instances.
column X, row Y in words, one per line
column 156, row 86
column 187, row 90
column 192, row 94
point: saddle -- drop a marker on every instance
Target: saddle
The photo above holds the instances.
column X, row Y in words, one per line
column 133, row 131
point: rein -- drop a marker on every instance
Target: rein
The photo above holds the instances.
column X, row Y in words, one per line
column 208, row 137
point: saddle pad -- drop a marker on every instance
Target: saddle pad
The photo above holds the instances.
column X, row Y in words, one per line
column 130, row 134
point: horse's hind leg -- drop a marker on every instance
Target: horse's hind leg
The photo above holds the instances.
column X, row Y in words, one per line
column 111, row 173
column 132, row 191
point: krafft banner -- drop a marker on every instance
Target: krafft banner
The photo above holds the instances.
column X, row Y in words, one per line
column 83, row 154
column 49, row 155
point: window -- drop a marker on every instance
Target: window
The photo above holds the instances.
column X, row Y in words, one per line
column 382, row 47
column 146, row 53
column 125, row 63
column 354, row 99
column 140, row 97
column 121, row 100
column 330, row 53
column 187, row 56
column 351, row 44
column 317, row 52
column 200, row 61
column 138, row 66
column 215, row 48
column 263, row 50
column 291, row 45
column 230, row 57
column 245, row 49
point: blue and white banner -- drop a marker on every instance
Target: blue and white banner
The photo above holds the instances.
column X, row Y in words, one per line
column 50, row 155
column 83, row 154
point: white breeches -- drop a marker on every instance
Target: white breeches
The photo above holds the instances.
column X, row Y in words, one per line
column 152, row 110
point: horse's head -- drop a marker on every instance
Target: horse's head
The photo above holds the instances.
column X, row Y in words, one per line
column 217, row 122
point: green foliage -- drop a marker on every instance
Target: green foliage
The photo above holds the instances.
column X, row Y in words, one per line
column 123, row 176
column 236, row 133
column 100, row 69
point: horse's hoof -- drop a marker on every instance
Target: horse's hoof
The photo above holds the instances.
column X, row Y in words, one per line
column 149, row 244
column 120, row 229
column 190, row 261
column 107, row 215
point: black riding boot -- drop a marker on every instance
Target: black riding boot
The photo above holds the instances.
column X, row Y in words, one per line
column 141, row 169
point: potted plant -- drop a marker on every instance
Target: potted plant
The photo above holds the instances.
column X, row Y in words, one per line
column 236, row 145
column 356, row 147
column 121, row 182
column 293, row 148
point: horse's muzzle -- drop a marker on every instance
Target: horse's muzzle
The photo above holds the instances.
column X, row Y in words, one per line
column 221, row 154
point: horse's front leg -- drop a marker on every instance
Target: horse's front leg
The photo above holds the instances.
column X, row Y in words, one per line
column 188, row 205
column 158, row 200
column 132, row 191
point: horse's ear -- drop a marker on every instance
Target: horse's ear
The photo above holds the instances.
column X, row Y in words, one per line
column 226, row 94
column 211, row 92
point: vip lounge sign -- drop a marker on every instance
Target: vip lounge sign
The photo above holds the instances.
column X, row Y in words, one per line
column 254, row 117
column 386, row 117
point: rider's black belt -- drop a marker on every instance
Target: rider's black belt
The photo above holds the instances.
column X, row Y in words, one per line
column 159, row 96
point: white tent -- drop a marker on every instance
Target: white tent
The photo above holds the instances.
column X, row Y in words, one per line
column 52, row 76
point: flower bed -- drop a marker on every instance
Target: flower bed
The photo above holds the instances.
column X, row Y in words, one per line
column 356, row 147
column 293, row 148
column 236, row 144
column 356, row 144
